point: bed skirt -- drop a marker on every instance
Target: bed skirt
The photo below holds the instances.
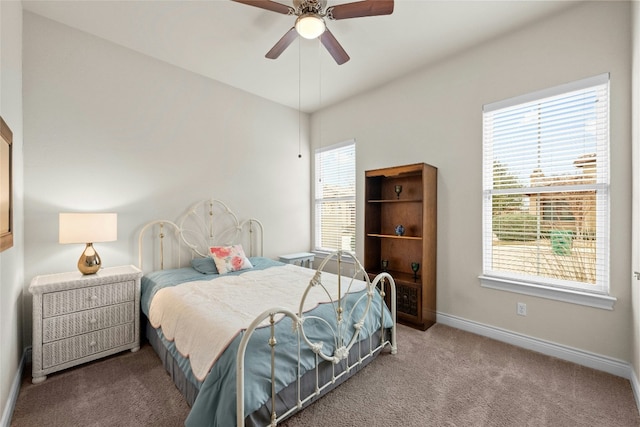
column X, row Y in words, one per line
column 286, row 398
column 188, row 390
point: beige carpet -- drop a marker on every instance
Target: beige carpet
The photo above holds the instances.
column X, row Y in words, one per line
column 441, row 377
column 448, row 377
column 128, row 389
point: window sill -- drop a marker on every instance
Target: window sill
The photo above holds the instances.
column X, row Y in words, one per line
column 604, row 302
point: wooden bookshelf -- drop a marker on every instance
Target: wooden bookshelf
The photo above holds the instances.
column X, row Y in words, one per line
column 416, row 209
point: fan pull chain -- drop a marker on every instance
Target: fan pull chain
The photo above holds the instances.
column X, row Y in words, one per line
column 299, row 98
column 319, row 58
column 320, row 89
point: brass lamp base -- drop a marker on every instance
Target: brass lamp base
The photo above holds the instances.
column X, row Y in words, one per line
column 89, row 262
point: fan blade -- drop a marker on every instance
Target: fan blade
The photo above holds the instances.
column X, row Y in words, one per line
column 334, row 48
column 282, row 44
column 361, row 8
column 273, row 6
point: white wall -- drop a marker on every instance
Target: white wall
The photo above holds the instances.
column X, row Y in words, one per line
column 635, row 252
column 11, row 260
column 108, row 129
column 434, row 116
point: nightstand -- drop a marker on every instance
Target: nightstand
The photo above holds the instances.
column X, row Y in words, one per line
column 77, row 318
column 303, row 259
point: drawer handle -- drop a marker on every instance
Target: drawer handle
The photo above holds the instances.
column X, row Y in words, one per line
column 92, row 344
column 92, row 321
column 93, row 297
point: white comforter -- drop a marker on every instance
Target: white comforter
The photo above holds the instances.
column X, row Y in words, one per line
column 203, row 317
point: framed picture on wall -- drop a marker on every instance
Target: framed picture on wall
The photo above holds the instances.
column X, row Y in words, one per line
column 6, row 188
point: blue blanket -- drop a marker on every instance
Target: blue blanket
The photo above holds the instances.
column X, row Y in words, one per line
column 216, row 401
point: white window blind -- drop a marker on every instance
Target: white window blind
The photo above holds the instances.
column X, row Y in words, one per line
column 335, row 197
column 546, row 187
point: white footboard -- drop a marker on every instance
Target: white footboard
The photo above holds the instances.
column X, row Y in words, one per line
column 345, row 334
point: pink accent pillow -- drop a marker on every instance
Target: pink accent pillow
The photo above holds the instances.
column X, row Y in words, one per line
column 229, row 258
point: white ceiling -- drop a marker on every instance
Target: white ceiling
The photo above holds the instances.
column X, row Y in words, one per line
column 227, row 41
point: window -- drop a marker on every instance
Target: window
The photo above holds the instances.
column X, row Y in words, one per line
column 546, row 193
column 335, row 197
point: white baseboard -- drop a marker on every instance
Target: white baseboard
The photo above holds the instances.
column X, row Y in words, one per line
column 635, row 386
column 581, row 357
column 7, row 413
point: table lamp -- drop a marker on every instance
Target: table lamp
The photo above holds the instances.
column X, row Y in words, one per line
column 88, row 228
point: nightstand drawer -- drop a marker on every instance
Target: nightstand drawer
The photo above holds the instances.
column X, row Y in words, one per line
column 60, row 327
column 59, row 352
column 64, row 302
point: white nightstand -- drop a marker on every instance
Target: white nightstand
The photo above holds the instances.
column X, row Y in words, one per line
column 303, row 259
column 79, row 318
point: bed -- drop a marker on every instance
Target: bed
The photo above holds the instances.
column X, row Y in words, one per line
column 248, row 340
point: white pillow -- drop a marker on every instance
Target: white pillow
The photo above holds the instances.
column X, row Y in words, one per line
column 229, row 258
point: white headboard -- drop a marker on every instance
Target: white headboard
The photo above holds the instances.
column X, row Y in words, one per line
column 164, row 244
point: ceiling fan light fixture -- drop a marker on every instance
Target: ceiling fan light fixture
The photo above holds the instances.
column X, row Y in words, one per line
column 310, row 25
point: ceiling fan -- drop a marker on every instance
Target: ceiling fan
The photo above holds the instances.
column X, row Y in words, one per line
column 310, row 22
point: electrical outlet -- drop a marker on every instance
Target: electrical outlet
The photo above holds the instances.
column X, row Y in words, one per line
column 521, row 309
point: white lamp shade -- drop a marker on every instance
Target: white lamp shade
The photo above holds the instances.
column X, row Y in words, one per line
column 310, row 25
column 88, row 227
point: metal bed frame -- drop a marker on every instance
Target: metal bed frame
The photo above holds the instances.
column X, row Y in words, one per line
column 211, row 222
